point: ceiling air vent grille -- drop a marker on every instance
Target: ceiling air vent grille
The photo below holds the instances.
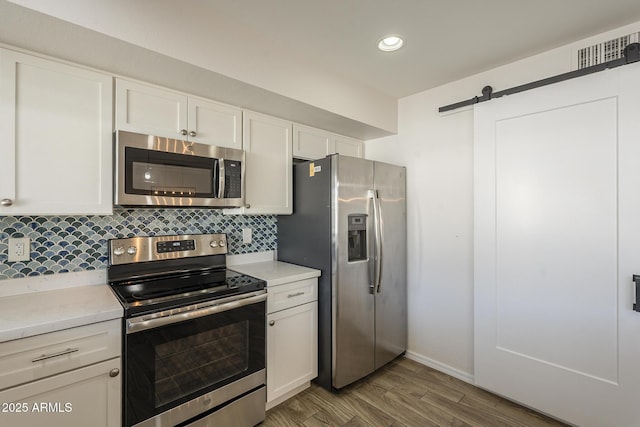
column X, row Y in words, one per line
column 606, row 51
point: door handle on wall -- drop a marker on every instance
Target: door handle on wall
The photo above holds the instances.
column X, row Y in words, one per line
column 636, row 304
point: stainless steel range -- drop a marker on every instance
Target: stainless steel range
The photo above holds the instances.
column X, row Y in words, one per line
column 194, row 333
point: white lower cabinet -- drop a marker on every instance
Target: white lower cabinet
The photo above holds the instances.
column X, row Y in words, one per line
column 70, row 377
column 88, row 396
column 292, row 340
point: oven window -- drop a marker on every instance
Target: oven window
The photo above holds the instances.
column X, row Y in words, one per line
column 157, row 173
column 186, row 365
column 174, row 181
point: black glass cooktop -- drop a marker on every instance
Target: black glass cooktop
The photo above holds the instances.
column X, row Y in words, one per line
column 152, row 294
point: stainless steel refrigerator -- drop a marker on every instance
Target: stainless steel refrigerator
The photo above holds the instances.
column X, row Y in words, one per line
column 349, row 221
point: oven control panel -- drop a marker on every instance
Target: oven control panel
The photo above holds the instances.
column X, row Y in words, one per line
column 176, row 245
column 156, row 248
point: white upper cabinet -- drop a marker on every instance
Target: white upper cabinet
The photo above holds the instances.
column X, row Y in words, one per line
column 269, row 165
column 214, row 123
column 56, row 124
column 348, row 146
column 311, row 143
column 158, row 111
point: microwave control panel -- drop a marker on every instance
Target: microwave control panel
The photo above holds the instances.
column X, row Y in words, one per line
column 233, row 179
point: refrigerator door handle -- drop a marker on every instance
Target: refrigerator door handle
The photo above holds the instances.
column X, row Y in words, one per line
column 371, row 248
column 378, row 240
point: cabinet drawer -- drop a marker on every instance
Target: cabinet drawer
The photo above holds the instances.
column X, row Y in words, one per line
column 40, row 356
column 291, row 294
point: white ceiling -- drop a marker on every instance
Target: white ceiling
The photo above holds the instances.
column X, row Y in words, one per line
column 445, row 39
column 314, row 62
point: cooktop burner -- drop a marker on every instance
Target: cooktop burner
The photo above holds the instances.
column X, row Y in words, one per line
column 151, row 295
column 147, row 278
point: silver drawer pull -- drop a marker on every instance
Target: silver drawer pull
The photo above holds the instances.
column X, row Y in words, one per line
column 60, row 353
column 297, row 294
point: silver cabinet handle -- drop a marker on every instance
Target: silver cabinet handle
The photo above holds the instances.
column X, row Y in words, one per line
column 183, row 132
column 6, row 202
column 52, row 355
column 114, row 372
column 272, row 322
column 297, row 294
column 192, row 133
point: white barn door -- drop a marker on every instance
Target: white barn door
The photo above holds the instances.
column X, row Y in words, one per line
column 557, row 241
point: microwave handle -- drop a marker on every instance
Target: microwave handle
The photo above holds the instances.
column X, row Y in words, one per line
column 221, row 178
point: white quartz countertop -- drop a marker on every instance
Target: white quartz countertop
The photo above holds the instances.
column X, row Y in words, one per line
column 42, row 312
column 276, row 272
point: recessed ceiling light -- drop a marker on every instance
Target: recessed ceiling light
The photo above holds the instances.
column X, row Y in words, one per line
column 390, row 43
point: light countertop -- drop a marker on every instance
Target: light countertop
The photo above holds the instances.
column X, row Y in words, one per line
column 276, row 272
column 38, row 313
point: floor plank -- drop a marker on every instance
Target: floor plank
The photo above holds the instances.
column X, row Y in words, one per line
column 404, row 393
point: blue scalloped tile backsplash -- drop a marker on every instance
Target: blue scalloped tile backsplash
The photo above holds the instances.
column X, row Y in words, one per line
column 76, row 243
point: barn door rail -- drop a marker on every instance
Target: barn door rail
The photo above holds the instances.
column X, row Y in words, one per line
column 631, row 54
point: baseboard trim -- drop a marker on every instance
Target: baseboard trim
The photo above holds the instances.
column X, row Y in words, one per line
column 438, row 366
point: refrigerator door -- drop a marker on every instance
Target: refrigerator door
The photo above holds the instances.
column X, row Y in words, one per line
column 391, row 293
column 352, row 296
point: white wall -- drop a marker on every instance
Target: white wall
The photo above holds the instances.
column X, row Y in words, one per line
column 437, row 150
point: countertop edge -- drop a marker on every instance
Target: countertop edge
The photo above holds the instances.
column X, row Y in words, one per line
column 38, row 313
column 276, row 272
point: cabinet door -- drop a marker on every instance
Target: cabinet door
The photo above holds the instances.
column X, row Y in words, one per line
column 310, row 143
column 88, row 396
column 214, row 123
column 150, row 110
column 55, row 137
column 292, row 356
column 349, row 146
column 269, row 168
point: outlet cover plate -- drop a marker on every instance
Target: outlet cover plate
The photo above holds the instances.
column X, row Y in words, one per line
column 246, row 235
column 19, row 249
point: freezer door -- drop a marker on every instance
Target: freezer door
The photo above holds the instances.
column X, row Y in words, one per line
column 352, row 297
column 391, row 293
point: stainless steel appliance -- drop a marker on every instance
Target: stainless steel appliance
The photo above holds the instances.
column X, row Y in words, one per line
column 194, row 333
column 349, row 221
column 157, row 171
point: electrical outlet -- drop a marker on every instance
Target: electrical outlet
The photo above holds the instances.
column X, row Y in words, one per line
column 19, row 249
column 246, row 235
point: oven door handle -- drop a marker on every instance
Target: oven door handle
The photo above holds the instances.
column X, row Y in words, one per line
column 140, row 324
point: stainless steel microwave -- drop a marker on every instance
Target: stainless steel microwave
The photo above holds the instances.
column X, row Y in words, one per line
column 158, row 171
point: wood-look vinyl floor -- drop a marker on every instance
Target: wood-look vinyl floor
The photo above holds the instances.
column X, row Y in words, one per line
column 404, row 393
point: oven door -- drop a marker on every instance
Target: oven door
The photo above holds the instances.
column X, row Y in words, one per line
column 183, row 366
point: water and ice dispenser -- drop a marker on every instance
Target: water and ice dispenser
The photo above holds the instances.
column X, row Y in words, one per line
column 357, row 237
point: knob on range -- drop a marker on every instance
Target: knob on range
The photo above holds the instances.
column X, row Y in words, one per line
column 131, row 250
column 215, row 243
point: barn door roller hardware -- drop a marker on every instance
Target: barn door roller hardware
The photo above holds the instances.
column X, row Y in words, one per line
column 631, row 54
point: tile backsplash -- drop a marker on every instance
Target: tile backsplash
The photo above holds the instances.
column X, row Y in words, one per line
column 75, row 243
